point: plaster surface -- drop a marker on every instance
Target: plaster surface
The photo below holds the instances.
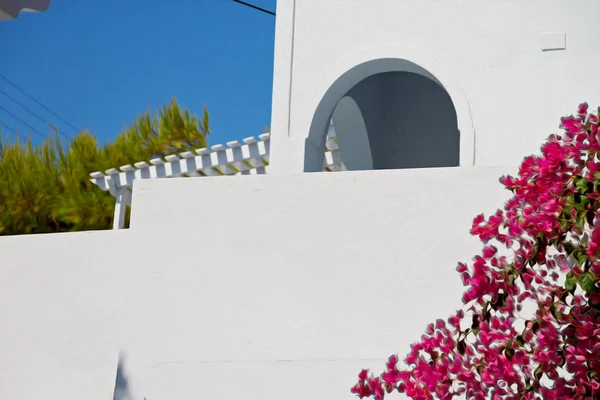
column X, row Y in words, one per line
column 240, row 287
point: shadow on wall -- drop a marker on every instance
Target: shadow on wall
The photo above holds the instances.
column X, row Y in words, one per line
column 410, row 119
column 353, row 140
column 122, row 389
column 389, row 120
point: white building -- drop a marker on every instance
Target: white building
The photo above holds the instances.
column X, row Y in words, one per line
column 412, row 84
column 286, row 284
column 438, row 83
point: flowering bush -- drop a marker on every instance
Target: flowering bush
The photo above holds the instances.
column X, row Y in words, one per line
column 543, row 248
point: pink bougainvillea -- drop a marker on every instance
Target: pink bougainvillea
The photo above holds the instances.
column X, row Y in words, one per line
column 542, row 248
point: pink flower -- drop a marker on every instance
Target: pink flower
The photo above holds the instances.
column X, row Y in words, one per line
column 554, row 196
column 582, row 112
column 489, row 252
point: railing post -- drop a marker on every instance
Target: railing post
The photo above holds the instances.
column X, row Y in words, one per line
column 122, row 200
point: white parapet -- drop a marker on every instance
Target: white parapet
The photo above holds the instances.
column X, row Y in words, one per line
column 234, row 158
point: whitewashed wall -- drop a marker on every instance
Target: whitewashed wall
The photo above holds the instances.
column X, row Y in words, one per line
column 253, row 287
column 512, row 68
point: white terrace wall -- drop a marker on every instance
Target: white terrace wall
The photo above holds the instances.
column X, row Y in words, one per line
column 249, row 287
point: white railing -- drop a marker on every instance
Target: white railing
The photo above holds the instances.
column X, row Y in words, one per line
column 248, row 158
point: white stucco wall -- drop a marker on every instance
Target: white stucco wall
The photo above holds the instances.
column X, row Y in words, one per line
column 253, row 287
column 508, row 92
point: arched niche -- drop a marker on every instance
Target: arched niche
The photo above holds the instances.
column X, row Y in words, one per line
column 400, row 102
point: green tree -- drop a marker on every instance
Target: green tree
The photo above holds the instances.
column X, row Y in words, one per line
column 46, row 188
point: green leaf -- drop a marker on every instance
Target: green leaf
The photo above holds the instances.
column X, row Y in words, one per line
column 580, row 257
column 581, row 185
column 570, row 282
column 564, row 223
column 587, row 281
column 581, row 202
column 511, row 279
column 556, row 314
column 580, row 222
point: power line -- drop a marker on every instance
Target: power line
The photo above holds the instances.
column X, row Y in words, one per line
column 10, row 129
column 23, row 122
column 255, row 7
column 38, row 102
column 23, row 106
column 3, row 125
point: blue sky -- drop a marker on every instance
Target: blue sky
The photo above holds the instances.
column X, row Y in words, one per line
column 99, row 63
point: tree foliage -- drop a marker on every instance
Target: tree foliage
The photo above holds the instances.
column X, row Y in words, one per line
column 541, row 250
column 46, row 188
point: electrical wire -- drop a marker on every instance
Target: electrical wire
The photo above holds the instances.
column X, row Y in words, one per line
column 255, row 7
column 9, row 128
column 23, row 106
column 3, row 125
column 13, row 84
column 23, row 122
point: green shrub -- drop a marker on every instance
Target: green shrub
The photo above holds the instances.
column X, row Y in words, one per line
column 46, row 188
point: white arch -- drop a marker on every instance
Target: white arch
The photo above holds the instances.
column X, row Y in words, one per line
column 356, row 67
